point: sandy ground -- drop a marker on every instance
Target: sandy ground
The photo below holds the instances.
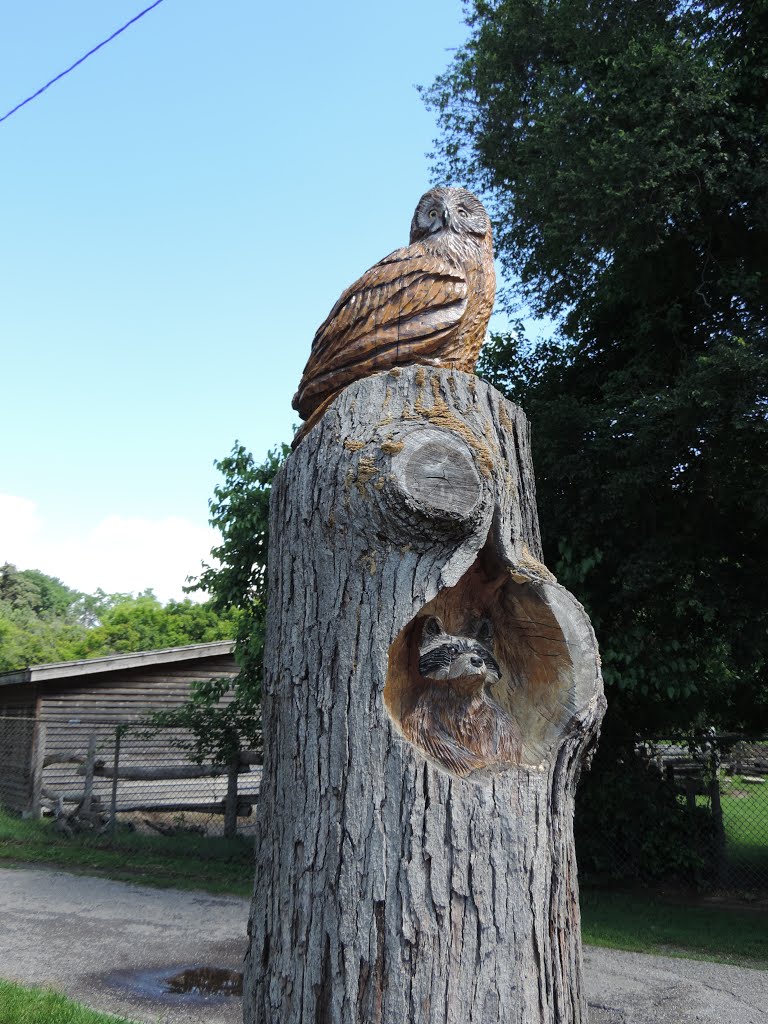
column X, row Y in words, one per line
column 107, row 944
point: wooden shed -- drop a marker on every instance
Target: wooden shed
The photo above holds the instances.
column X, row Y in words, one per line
column 50, row 710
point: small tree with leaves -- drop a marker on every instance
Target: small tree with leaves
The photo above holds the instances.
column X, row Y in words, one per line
column 239, row 509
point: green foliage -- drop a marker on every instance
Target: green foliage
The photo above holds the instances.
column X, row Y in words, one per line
column 44, row 621
column 144, row 624
column 653, row 511
column 38, row 619
column 606, row 131
column 237, row 587
column 631, row 825
column 32, row 590
column 26, row 639
column 616, row 141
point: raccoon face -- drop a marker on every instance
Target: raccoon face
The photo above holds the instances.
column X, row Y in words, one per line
column 442, row 656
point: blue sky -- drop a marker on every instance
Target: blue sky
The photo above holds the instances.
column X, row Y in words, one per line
column 179, row 215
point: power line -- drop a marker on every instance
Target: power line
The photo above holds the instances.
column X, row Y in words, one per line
column 84, row 57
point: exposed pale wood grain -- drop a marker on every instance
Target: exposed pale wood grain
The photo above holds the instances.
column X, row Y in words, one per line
column 427, row 303
column 387, row 890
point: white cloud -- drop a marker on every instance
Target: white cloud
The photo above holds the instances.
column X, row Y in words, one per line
column 19, row 522
column 117, row 554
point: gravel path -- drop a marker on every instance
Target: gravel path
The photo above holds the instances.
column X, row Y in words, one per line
column 94, row 939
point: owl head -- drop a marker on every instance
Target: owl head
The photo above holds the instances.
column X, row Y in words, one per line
column 449, row 210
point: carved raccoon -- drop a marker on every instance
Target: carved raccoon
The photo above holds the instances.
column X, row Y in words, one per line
column 455, row 721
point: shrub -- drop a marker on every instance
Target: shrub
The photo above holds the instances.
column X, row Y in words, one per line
column 631, row 824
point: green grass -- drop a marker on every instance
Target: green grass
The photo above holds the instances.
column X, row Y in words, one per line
column 745, row 818
column 182, row 862
column 641, row 923
column 20, row 1005
column 638, row 922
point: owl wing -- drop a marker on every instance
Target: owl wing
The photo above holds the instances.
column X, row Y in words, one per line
column 398, row 312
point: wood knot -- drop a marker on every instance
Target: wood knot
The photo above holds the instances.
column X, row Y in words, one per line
column 435, row 471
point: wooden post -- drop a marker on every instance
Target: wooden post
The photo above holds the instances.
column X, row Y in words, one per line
column 89, row 767
column 429, row 694
column 115, row 773
column 720, row 836
column 38, row 763
column 230, row 807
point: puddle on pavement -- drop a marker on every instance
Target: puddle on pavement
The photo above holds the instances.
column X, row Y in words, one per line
column 196, row 984
column 207, row 981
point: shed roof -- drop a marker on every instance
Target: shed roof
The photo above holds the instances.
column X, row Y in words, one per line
column 116, row 662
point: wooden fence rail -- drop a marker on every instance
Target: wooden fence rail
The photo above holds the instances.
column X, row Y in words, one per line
column 124, row 769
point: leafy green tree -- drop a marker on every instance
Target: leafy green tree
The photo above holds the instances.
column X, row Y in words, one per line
column 142, row 623
column 27, row 639
column 618, row 144
column 42, row 621
column 663, row 544
column 91, row 608
column 32, row 590
column 616, row 140
column 38, row 619
column 237, row 588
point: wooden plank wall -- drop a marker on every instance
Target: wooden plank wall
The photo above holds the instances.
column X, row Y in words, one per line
column 17, row 731
column 76, row 708
column 127, row 695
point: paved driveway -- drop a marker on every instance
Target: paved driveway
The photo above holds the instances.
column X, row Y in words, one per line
column 89, row 936
column 635, row 988
column 83, row 935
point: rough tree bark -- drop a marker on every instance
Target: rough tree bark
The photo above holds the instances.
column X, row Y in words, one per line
column 389, row 890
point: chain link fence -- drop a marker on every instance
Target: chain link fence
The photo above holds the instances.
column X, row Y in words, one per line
column 663, row 811
column 693, row 814
column 101, row 775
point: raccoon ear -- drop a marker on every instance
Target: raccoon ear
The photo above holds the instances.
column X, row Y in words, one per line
column 432, row 628
column 484, row 633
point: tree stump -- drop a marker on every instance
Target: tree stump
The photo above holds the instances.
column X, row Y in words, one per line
column 400, row 880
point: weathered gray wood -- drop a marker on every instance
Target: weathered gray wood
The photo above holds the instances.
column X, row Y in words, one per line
column 115, row 771
column 88, row 770
column 230, row 801
column 389, row 891
column 62, row 758
column 244, row 805
column 38, row 763
column 62, row 796
column 157, row 773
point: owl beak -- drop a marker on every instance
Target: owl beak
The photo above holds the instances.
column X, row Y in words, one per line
column 446, row 218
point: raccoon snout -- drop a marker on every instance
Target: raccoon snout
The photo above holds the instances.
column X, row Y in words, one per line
column 467, row 664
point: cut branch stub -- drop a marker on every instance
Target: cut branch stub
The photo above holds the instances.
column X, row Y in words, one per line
column 429, row 693
column 434, row 473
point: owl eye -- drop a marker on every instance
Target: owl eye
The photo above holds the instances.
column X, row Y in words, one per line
column 432, row 213
column 462, row 211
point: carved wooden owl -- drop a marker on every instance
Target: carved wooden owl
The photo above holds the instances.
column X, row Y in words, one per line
column 428, row 303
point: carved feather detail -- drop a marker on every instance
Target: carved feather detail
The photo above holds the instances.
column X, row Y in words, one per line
column 427, row 303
